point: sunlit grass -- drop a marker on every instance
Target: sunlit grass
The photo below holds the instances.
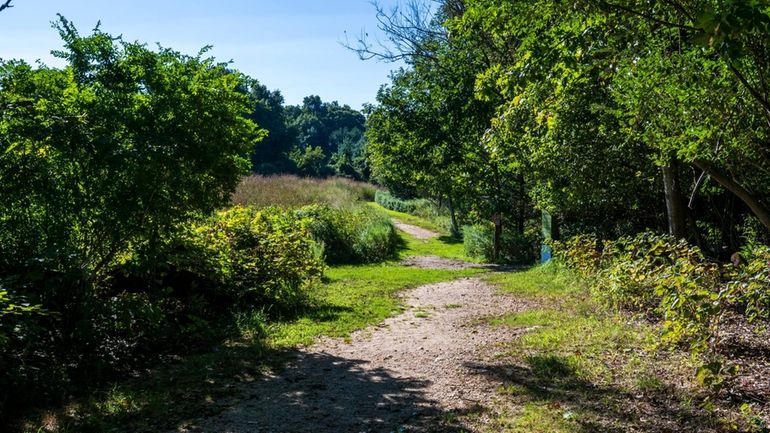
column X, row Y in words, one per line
column 575, row 358
column 412, row 219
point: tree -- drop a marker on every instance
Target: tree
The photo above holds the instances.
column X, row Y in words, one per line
column 336, row 130
column 270, row 155
column 733, row 37
column 5, row 5
column 102, row 160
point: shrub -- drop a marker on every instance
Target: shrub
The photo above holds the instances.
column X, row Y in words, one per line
column 258, row 258
column 356, row 234
column 514, row 247
column 419, row 207
column 748, row 283
column 477, row 241
column 665, row 278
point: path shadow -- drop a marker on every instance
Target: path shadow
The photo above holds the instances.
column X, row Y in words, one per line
column 319, row 392
column 553, row 380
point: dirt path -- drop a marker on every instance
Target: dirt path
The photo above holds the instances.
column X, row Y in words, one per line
column 415, row 231
column 407, row 374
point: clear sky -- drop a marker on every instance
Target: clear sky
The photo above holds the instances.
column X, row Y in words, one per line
column 290, row 45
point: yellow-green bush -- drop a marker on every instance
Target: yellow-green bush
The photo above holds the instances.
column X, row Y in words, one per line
column 353, row 234
column 673, row 281
column 261, row 258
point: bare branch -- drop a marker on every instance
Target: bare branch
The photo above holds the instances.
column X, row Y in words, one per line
column 411, row 30
column 5, row 5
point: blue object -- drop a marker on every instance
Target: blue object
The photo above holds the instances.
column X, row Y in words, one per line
column 545, row 253
column 545, row 250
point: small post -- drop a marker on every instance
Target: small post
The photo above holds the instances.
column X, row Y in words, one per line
column 545, row 250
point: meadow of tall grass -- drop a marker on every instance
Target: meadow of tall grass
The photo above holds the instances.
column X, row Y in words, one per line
column 293, row 191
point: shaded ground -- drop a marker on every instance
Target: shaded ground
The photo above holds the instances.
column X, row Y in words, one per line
column 414, row 231
column 411, row 373
column 436, row 262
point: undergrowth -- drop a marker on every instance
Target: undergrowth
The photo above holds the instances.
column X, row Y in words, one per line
column 582, row 368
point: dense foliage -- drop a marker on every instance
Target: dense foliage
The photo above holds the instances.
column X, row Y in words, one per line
column 313, row 139
column 658, row 276
column 613, row 117
column 101, row 162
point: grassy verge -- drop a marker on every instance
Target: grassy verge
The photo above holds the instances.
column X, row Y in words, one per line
column 411, row 219
column 186, row 387
column 442, row 246
column 581, row 369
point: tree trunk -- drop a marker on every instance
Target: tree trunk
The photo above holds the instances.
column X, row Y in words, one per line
column 498, row 219
column 677, row 217
column 760, row 211
column 453, row 217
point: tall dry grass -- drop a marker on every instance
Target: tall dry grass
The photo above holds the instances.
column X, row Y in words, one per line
column 293, row 191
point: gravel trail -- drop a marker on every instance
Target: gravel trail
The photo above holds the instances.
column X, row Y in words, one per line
column 404, row 375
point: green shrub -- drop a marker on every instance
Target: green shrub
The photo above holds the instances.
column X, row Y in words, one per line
column 657, row 276
column 357, row 234
column 248, row 257
column 412, row 206
column 477, row 241
column 514, row 247
column 748, row 284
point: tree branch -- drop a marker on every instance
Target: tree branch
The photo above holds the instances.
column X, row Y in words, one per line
column 5, row 5
column 649, row 17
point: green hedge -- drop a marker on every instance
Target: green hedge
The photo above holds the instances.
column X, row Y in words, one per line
column 412, row 206
column 355, row 234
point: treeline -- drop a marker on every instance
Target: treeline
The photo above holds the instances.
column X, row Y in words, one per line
column 613, row 117
column 313, row 139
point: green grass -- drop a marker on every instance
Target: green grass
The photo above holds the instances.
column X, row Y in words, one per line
column 185, row 388
column 355, row 297
column 411, row 219
column 545, row 283
column 581, row 368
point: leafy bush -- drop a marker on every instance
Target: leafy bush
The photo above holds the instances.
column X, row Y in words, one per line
column 514, row 247
column 420, row 207
column 477, row 241
column 252, row 258
column 239, row 264
column 748, row 285
column 357, row 234
column 673, row 281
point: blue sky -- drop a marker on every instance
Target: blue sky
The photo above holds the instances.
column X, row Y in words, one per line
column 291, row 45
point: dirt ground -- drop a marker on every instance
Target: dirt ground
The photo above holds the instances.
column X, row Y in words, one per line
column 408, row 374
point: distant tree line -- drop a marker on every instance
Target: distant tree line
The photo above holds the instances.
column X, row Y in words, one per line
column 313, row 139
